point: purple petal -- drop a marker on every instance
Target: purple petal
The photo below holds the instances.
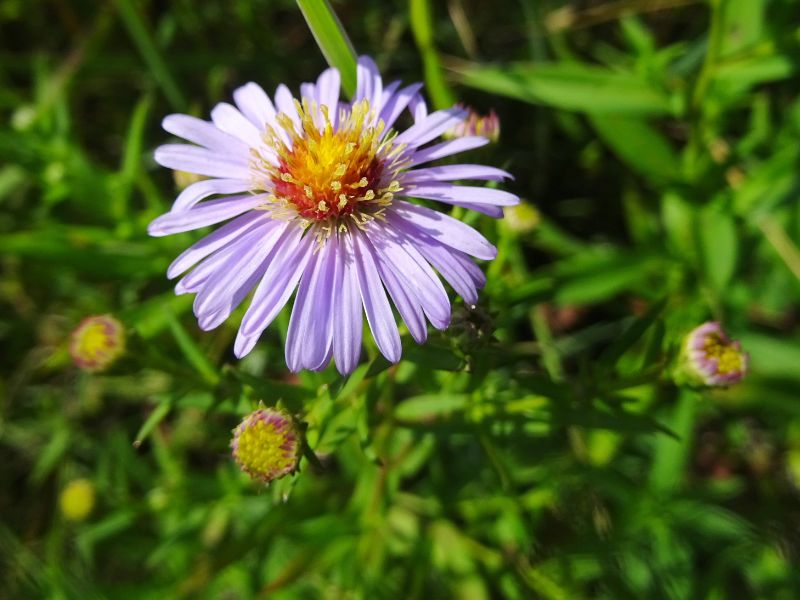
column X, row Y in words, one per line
column 196, row 280
column 386, row 96
column 215, row 240
column 212, row 320
column 413, row 271
column 455, row 271
column 443, row 228
column 308, row 91
column 230, row 120
column 447, row 148
column 278, row 284
column 310, row 326
column 395, row 105
column 222, row 285
column 454, row 172
column 369, row 84
column 254, row 103
column 347, row 320
column 431, row 127
column 409, row 308
column 284, row 102
column 203, row 189
column 328, row 90
column 208, row 213
column 495, row 212
column 204, row 133
column 376, row 305
column 195, row 159
column 418, row 108
column 452, row 194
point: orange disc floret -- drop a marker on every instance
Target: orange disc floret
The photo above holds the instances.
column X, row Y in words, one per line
column 328, row 170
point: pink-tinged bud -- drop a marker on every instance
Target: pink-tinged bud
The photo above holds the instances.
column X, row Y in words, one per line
column 709, row 357
column 475, row 124
column 267, row 444
column 97, row 342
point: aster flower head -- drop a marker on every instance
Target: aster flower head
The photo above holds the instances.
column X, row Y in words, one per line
column 315, row 192
column 266, row 444
column 97, row 342
column 710, row 358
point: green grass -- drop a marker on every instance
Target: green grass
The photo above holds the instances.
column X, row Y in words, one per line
column 538, row 448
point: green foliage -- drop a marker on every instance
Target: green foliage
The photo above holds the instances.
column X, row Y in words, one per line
column 538, row 448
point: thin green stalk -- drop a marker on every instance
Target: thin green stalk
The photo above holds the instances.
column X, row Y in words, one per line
column 332, row 40
column 150, row 53
column 782, row 243
column 422, row 27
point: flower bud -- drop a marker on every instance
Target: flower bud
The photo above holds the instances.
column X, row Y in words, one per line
column 97, row 342
column 77, row 499
column 710, row 358
column 475, row 124
column 266, row 444
column 522, row 218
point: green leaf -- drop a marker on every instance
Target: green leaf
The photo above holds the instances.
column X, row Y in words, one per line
column 192, row 352
column 569, row 86
column 331, row 39
column 670, row 455
column 153, row 419
column 631, row 335
column 601, row 275
column 638, row 145
column 434, row 357
column 719, row 246
column 429, row 408
column 772, row 356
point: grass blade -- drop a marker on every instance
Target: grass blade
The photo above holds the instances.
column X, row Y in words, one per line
column 331, row 39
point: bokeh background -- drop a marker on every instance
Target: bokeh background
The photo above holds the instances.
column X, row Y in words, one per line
column 537, row 449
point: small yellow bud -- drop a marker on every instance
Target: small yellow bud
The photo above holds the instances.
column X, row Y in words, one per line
column 77, row 499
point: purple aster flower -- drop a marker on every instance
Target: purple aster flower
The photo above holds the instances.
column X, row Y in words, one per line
column 315, row 194
column 711, row 358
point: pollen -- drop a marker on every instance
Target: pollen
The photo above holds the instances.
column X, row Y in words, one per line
column 266, row 444
column 321, row 171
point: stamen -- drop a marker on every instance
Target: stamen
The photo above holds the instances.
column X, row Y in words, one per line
column 320, row 173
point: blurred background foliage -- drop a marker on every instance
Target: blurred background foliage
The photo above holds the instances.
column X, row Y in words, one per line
column 538, row 449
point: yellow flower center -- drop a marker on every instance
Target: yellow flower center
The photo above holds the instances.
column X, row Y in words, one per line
column 729, row 358
column 327, row 172
column 265, row 445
